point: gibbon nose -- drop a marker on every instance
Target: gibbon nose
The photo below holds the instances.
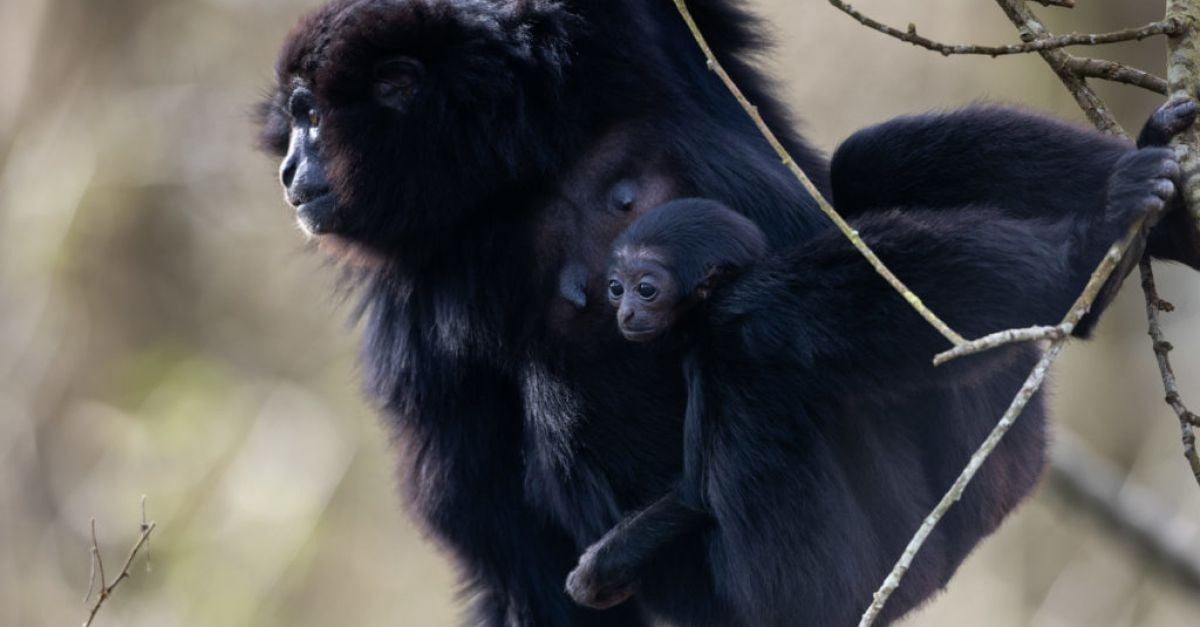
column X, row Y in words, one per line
column 303, row 183
column 572, row 284
column 287, row 171
column 302, row 172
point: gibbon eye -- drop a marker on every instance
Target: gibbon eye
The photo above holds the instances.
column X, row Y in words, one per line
column 397, row 81
column 303, row 108
column 615, row 289
column 647, row 291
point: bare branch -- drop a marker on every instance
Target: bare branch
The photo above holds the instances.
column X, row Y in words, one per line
column 1031, row 28
column 91, row 578
column 99, row 561
column 107, row 589
column 1162, row 349
column 826, row 208
column 144, row 526
column 1117, row 73
column 1031, row 386
column 1165, row 27
column 1004, row 338
column 94, row 552
column 1066, row 4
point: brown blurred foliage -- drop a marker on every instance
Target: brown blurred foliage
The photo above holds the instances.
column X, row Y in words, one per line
column 163, row 331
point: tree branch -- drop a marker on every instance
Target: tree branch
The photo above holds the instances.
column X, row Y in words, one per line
column 1031, row 28
column 1164, row 27
column 1117, row 73
column 106, row 589
column 1004, row 338
column 1188, row 420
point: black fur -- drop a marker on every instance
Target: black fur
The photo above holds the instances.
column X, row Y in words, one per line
column 527, row 429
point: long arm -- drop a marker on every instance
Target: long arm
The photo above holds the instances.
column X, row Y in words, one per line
column 611, row 569
column 1029, row 165
column 1017, row 162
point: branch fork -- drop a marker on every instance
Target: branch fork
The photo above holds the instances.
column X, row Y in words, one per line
column 105, row 590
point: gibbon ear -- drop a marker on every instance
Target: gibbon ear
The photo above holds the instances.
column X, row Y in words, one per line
column 707, row 283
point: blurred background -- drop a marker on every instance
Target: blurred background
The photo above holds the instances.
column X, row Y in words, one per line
column 164, row 331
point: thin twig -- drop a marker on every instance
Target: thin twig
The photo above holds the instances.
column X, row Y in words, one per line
column 1162, row 350
column 99, row 560
column 1117, row 73
column 106, row 589
column 1066, row 4
column 843, row 226
column 1164, row 27
column 144, row 526
column 1004, row 338
column 91, row 578
column 94, row 554
column 1031, row 386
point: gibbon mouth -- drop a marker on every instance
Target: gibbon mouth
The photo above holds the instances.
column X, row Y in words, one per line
column 639, row 335
column 319, row 215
